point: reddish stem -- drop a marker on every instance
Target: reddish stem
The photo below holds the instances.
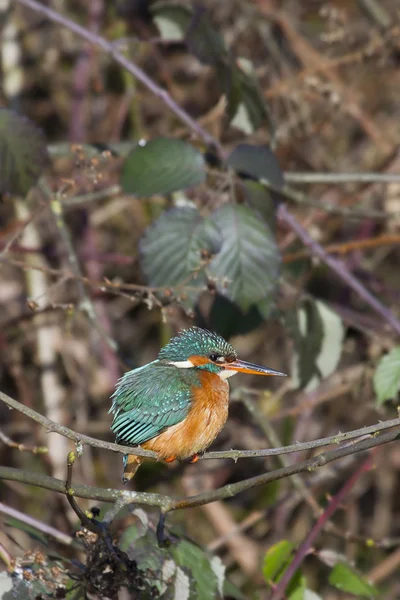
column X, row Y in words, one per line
column 305, row 547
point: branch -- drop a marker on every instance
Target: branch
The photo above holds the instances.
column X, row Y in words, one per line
column 338, row 267
column 80, row 439
column 21, row 447
column 132, row 68
column 86, row 304
column 168, row 503
column 308, row 466
column 341, row 178
column 48, row 530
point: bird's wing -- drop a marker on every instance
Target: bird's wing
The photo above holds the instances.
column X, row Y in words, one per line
column 147, row 401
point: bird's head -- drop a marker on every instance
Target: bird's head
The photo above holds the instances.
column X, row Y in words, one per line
column 197, row 348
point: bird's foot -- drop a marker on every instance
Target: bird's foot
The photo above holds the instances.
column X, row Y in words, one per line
column 169, row 459
column 194, row 458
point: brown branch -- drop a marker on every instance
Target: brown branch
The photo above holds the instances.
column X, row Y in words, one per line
column 307, row 466
column 80, row 439
column 168, row 503
column 21, row 447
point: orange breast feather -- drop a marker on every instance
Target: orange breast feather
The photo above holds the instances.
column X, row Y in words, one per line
column 205, row 420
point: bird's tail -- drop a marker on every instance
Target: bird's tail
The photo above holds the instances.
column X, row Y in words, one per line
column 131, row 465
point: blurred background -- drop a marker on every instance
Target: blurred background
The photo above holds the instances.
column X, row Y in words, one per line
column 328, row 74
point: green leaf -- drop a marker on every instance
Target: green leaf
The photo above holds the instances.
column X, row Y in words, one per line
column 197, row 563
column 204, row 41
column 346, row 579
column 162, row 166
column 174, row 249
column 6, row 586
column 247, row 108
column 276, row 560
column 23, row 153
column 172, row 20
column 257, row 162
column 260, row 199
column 387, row 376
column 227, row 319
column 304, row 594
column 318, row 335
column 247, row 267
column 182, row 570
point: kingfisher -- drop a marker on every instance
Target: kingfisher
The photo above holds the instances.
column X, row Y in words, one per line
column 177, row 404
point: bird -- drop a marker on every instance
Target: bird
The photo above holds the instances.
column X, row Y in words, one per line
column 177, row 404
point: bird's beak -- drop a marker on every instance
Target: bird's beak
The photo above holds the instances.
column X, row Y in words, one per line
column 241, row 366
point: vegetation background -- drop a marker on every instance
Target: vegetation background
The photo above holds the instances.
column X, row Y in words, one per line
column 265, row 206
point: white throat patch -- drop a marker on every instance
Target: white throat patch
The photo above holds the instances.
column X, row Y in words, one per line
column 226, row 373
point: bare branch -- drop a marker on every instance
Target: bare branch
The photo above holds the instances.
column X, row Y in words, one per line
column 84, row 440
column 168, row 503
column 21, row 447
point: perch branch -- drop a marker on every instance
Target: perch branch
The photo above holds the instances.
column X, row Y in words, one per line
column 80, row 439
column 168, row 503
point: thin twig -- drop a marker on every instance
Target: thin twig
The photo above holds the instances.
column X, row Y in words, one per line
column 339, row 268
column 21, row 447
column 56, row 534
column 341, row 178
column 86, row 303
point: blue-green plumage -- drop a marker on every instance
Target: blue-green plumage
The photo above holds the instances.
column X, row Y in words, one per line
column 178, row 403
column 196, row 341
column 151, row 398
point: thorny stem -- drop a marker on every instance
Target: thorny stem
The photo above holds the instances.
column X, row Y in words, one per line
column 132, row 68
column 338, row 267
column 304, row 548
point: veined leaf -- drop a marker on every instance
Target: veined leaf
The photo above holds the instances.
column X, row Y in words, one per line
column 204, row 41
column 387, row 376
column 256, row 162
column 318, row 335
column 175, row 247
column 247, row 108
column 276, row 560
column 162, row 166
column 23, row 153
column 247, row 266
column 197, row 563
column 346, row 579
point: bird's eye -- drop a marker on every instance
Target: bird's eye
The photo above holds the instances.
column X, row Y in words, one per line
column 214, row 357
